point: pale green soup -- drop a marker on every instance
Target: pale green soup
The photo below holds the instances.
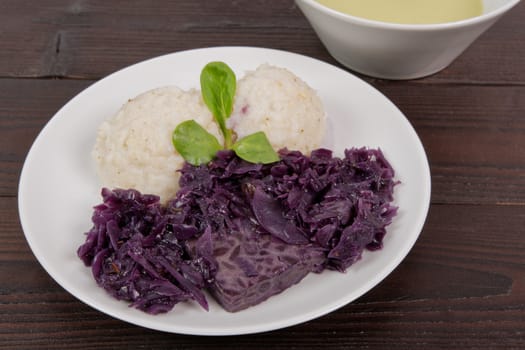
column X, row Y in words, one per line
column 409, row 11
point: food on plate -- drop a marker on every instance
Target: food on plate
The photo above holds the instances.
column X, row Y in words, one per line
column 274, row 100
column 133, row 149
column 243, row 222
column 243, row 231
column 252, row 266
column 270, row 225
column 197, row 146
column 135, row 257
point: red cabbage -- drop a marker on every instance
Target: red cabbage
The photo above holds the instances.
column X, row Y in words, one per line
column 243, row 231
column 136, row 254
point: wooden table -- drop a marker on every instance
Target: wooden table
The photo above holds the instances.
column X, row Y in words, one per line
column 461, row 287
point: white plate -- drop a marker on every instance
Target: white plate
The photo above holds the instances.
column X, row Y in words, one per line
column 58, row 187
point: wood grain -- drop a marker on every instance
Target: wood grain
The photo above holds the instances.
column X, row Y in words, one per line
column 61, row 38
column 475, row 158
column 26, row 105
column 473, row 136
column 462, row 286
column 477, row 252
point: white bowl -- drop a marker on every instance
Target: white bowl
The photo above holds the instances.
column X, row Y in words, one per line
column 397, row 51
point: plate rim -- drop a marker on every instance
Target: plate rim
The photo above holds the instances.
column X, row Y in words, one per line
column 290, row 321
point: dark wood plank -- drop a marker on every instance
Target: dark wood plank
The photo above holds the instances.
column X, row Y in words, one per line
column 473, row 136
column 25, row 107
column 62, row 37
column 494, row 58
column 477, row 252
column 475, row 157
column 13, row 245
column 461, row 287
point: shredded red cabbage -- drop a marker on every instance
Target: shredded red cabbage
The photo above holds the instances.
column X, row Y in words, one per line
column 136, row 253
column 244, row 231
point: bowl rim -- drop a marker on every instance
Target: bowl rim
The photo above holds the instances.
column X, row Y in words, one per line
column 484, row 17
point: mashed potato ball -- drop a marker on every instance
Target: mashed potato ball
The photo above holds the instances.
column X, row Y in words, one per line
column 274, row 100
column 134, row 148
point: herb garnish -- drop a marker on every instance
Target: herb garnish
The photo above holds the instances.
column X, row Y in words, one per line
column 194, row 143
column 197, row 146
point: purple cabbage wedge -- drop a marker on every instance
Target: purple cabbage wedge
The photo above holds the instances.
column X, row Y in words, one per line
column 253, row 265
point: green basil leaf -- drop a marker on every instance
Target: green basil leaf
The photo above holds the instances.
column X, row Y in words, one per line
column 218, row 84
column 194, row 143
column 255, row 148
